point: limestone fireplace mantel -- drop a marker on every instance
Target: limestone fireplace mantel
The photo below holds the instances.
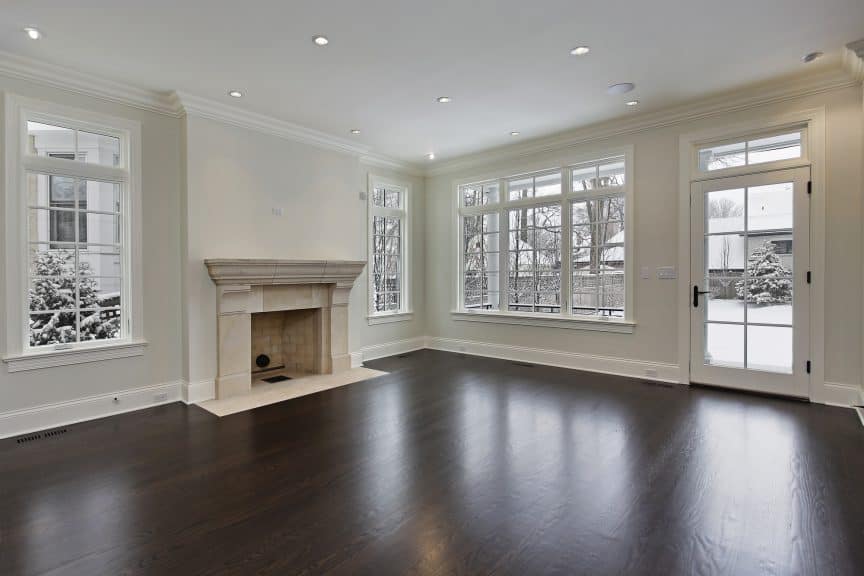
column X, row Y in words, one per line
column 249, row 285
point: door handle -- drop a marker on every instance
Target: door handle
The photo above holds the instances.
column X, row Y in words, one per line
column 696, row 293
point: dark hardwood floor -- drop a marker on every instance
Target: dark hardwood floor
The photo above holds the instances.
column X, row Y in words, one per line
column 449, row 465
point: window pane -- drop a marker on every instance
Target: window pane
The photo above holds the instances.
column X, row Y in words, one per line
column 548, row 184
column 611, row 174
column 53, row 328
column 47, row 261
column 392, row 227
column 100, row 228
column 378, row 225
column 100, row 325
column 100, row 196
column 769, row 348
column 598, row 257
column 584, row 178
column 723, row 303
column 480, row 266
column 392, row 198
column 725, row 255
column 773, row 148
column 52, row 293
column 724, row 345
column 43, row 139
column 770, row 207
column 99, row 149
column 94, row 292
column 521, row 188
column 724, row 211
column 720, row 157
column 378, row 196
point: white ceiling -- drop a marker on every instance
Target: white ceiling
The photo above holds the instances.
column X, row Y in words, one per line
column 505, row 63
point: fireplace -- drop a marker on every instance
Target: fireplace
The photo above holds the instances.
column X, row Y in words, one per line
column 286, row 340
column 294, row 312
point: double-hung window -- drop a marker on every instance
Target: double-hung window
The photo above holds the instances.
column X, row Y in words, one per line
column 549, row 245
column 73, row 188
column 388, row 269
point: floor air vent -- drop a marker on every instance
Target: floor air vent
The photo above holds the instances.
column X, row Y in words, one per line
column 41, row 436
column 275, row 379
column 523, row 364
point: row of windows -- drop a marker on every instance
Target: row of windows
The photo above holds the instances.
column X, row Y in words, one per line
column 520, row 254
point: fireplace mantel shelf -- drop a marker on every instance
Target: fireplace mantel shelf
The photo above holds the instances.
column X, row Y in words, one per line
column 259, row 271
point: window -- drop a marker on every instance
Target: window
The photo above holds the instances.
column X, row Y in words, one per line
column 388, row 250
column 553, row 246
column 75, row 192
column 785, row 146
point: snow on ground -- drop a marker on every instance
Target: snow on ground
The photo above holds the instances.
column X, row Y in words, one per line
column 768, row 347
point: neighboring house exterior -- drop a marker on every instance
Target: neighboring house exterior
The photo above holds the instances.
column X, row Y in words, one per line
column 53, row 214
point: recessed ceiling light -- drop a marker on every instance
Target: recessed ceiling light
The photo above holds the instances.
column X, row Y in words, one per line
column 33, row 33
column 321, row 40
column 812, row 56
column 355, row 131
column 444, row 99
column 580, row 50
column 621, row 88
column 633, row 103
column 431, row 156
column 235, row 93
column 514, row 133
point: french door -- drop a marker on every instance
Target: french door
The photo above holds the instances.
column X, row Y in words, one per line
column 750, row 297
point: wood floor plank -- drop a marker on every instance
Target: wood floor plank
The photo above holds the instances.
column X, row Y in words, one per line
column 447, row 465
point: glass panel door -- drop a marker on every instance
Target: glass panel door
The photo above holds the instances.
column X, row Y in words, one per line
column 750, row 309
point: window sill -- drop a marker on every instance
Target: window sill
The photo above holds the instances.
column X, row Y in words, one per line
column 94, row 353
column 546, row 321
column 375, row 319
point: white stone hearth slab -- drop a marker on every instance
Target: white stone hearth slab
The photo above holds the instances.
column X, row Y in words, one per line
column 264, row 394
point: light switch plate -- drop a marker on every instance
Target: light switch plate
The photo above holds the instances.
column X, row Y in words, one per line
column 278, row 211
column 667, row 273
column 645, row 272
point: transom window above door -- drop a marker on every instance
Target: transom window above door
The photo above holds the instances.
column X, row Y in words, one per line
column 765, row 148
column 552, row 247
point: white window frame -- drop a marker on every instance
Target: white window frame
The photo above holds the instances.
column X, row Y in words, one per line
column 745, row 137
column 565, row 319
column 19, row 355
column 405, row 312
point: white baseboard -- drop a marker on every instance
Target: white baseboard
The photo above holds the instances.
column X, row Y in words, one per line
column 644, row 370
column 837, row 394
column 28, row 420
column 194, row 392
column 387, row 349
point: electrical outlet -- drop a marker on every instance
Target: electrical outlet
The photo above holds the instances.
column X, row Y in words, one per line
column 161, row 397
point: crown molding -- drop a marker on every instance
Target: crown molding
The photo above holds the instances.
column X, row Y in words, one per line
column 197, row 106
column 853, row 59
column 70, row 80
column 827, row 80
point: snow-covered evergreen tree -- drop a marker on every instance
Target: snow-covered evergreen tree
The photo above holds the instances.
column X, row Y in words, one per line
column 768, row 281
column 54, row 290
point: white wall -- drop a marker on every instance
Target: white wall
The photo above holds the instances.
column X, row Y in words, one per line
column 161, row 223
column 656, row 243
column 234, row 178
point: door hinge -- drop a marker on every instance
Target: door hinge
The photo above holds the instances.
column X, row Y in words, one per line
column 809, row 277
column 808, row 367
column 809, row 187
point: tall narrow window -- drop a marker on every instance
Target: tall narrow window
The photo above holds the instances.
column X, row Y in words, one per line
column 547, row 244
column 388, row 248
column 74, row 191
